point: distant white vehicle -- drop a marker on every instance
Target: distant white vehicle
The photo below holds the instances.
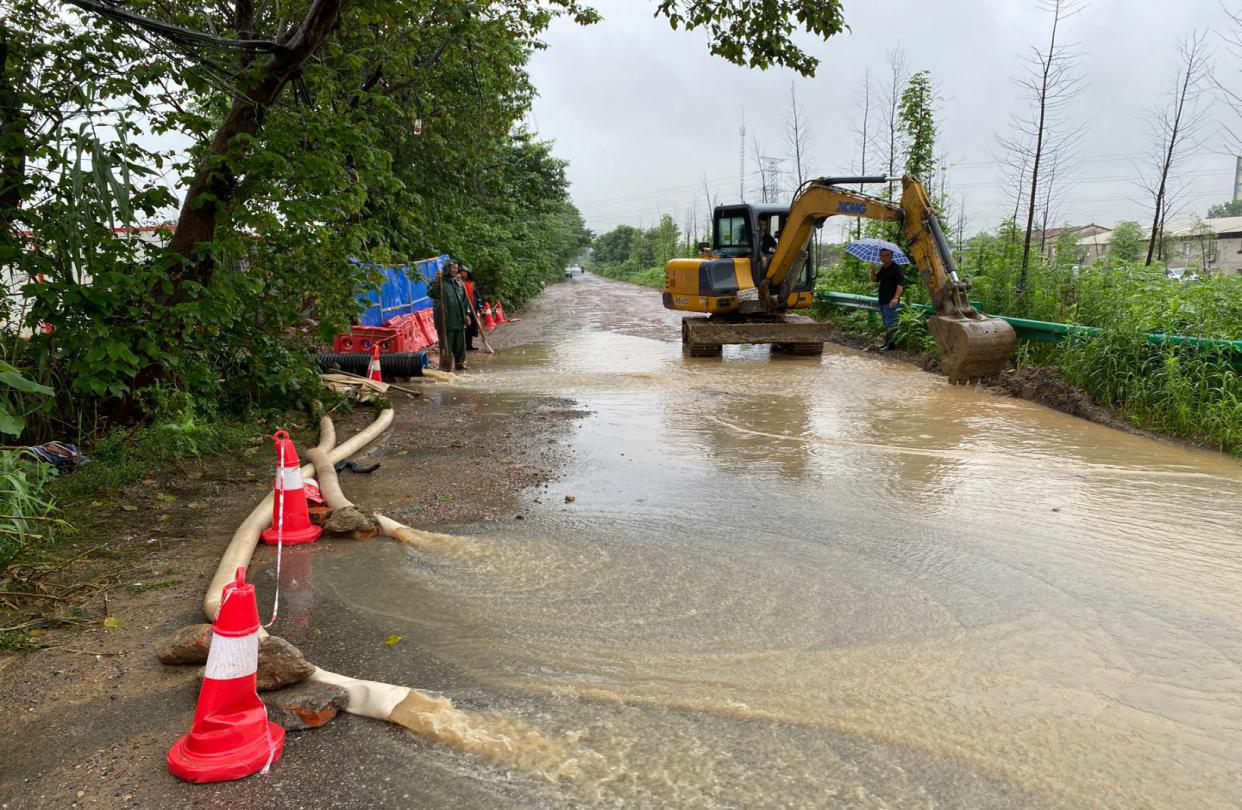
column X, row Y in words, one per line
column 1182, row 274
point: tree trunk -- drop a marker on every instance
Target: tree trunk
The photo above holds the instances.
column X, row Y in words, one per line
column 215, row 182
column 1157, row 225
column 1039, row 148
column 14, row 126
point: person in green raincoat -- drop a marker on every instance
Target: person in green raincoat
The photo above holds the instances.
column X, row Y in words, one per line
column 452, row 315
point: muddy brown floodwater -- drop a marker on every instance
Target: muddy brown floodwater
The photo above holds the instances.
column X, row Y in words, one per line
column 836, row 581
column 760, row 581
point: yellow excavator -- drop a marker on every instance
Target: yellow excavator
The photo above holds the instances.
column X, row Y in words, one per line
column 748, row 293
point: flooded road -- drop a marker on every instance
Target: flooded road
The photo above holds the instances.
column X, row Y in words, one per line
column 826, row 582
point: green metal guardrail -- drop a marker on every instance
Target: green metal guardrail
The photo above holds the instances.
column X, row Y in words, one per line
column 1044, row 331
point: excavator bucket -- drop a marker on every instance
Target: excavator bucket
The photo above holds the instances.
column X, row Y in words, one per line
column 971, row 348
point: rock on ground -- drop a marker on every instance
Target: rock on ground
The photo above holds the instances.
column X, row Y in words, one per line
column 281, row 663
column 189, row 645
column 351, row 520
column 308, row 704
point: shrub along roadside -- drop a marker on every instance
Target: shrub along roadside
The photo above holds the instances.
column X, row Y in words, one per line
column 648, row 277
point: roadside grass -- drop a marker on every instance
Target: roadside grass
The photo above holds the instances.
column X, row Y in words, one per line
column 646, row 277
column 29, row 514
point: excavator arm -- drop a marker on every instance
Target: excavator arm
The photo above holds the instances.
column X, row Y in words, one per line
column 972, row 345
column 818, row 201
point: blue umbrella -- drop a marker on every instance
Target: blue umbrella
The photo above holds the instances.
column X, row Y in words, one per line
column 869, row 250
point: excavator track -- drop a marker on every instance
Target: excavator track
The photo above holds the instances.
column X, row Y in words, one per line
column 790, row 334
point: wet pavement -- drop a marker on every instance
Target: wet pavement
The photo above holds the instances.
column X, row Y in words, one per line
column 779, row 582
column 764, row 581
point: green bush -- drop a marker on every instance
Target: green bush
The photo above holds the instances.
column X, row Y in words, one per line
column 631, row 272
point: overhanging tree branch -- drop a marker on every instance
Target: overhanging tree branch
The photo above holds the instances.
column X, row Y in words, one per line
column 176, row 33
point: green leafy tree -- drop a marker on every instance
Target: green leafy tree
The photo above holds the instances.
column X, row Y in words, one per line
column 759, row 35
column 657, row 244
column 1233, row 208
column 615, row 246
column 1127, row 242
column 918, row 125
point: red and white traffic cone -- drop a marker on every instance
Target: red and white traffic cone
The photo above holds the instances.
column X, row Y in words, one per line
column 488, row 322
column 291, row 522
column 373, row 368
column 231, row 737
column 500, row 313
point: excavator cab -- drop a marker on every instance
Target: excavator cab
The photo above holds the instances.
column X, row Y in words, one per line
column 724, row 279
column 750, row 232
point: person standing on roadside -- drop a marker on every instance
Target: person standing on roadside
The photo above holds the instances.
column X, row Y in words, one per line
column 452, row 315
column 892, row 283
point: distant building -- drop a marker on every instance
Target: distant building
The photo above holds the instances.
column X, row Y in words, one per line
column 1205, row 245
column 1052, row 235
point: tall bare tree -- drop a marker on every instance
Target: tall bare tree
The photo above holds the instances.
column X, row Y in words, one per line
column 797, row 138
column 889, row 136
column 961, row 224
column 1051, row 81
column 1014, row 164
column 798, row 144
column 711, row 208
column 1230, row 91
column 1061, row 162
column 761, row 169
column 1175, row 125
column 863, row 130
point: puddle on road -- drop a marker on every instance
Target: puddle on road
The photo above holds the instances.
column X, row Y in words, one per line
column 836, row 582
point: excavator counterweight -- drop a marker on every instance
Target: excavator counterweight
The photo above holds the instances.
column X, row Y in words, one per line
column 748, row 281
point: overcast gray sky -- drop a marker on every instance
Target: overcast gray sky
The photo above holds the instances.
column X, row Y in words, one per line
column 643, row 112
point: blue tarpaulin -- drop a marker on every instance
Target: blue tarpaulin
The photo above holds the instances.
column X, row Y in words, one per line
column 402, row 291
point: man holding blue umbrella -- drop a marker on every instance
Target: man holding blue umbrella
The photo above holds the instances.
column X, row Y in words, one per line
column 892, row 282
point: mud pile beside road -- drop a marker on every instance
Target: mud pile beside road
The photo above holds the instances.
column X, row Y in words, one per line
column 1041, row 385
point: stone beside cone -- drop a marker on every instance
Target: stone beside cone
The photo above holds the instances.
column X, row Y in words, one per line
column 189, row 645
column 309, row 704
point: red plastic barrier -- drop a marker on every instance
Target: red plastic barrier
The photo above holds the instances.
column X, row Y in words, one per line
column 362, row 338
column 427, row 325
column 404, row 333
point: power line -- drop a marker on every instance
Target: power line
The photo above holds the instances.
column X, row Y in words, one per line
column 670, row 190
